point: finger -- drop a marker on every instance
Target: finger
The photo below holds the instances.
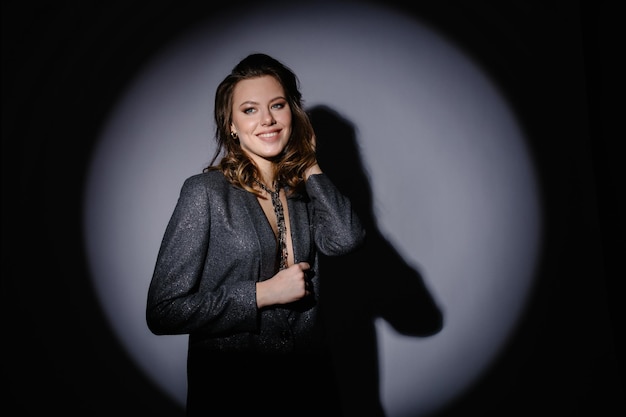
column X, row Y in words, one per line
column 308, row 286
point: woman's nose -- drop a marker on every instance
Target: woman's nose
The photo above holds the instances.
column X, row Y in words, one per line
column 268, row 119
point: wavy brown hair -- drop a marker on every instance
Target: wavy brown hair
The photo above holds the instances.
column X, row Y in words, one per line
column 299, row 153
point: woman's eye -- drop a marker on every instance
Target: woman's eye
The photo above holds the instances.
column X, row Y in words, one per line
column 278, row 105
column 249, row 110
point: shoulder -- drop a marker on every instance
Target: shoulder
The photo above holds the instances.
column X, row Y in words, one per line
column 206, row 179
column 212, row 183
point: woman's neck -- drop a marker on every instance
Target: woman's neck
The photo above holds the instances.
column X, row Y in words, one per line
column 265, row 169
column 266, row 175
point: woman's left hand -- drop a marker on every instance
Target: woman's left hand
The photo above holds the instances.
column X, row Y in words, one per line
column 314, row 169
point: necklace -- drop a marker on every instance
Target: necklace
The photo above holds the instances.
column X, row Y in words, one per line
column 280, row 224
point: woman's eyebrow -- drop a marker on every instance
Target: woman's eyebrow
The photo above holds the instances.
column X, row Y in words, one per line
column 252, row 102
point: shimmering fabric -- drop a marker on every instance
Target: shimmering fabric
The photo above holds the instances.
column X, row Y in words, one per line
column 218, row 244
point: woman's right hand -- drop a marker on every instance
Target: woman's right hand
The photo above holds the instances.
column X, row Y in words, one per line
column 288, row 285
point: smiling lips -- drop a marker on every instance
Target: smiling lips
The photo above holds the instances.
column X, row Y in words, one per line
column 269, row 135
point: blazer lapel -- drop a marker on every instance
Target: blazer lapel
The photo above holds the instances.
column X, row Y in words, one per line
column 259, row 230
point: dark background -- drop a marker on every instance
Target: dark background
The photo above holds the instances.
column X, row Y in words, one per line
column 64, row 65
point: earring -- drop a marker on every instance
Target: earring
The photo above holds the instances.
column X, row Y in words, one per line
column 233, row 135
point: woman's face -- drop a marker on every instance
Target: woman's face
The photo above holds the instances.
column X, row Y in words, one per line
column 261, row 117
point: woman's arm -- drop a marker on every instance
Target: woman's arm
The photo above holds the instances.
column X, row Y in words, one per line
column 177, row 302
column 337, row 229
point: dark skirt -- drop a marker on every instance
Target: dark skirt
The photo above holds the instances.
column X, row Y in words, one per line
column 239, row 384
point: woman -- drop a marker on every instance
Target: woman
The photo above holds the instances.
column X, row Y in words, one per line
column 238, row 265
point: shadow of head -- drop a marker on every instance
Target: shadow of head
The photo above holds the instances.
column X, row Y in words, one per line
column 374, row 281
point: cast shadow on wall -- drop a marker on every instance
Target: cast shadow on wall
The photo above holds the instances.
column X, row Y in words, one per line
column 373, row 282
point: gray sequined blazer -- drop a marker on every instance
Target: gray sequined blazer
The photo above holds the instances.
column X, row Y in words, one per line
column 218, row 244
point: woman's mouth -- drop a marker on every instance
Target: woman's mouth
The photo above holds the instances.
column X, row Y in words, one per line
column 268, row 135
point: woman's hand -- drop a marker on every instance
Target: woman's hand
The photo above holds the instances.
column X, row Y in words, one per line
column 286, row 286
column 314, row 169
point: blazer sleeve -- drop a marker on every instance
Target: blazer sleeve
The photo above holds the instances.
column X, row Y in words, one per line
column 337, row 229
column 177, row 303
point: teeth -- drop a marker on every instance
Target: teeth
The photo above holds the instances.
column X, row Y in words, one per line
column 268, row 135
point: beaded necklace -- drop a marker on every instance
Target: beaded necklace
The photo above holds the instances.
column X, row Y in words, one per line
column 280, row 223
